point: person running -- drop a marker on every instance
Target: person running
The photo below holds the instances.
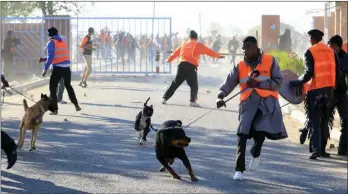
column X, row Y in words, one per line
column 59, row 58
column 189, row 54
column 260, row 115
column 87, row 47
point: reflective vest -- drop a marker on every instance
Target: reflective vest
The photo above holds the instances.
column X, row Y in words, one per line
column 344, row 47
column 324, row 67
column 61, row 52
column 265, row 68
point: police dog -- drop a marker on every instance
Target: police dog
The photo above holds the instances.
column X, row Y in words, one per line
column 171, row 141
column 32, row 119
column 143, row 122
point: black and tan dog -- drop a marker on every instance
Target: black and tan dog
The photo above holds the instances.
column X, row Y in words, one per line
column 143, row 122
column 171, row 141
column 32, row 119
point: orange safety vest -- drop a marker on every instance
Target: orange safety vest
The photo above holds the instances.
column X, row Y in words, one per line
column 61, row 52
column 265, row 69
column 324, row 67
column 344, row 46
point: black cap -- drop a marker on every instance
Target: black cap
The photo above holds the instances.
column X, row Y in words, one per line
column 315, row 33
column 193, row 34
column 337, row 39
column 90, row 30
column 251, row 39
column 52, row 31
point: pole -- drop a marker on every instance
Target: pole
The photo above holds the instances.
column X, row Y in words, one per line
column 153, row 17
column 200, row 23
column 326, row 30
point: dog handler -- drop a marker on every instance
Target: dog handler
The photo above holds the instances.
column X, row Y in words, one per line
column 7, row 143
column 260, row 115
column 189, row 54
column 59, row 57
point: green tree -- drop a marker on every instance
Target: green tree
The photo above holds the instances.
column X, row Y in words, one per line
column 47, row 8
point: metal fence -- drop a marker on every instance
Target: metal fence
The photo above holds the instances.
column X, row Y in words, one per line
column 124, row 44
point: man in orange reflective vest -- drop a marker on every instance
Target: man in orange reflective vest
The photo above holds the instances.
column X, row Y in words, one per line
column 260, row 115
column 322, row 73
column 189, row 54
column 59, row 58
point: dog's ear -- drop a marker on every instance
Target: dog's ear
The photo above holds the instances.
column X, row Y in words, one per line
column 45, row 97
column 42, row 95
column 145, row 104
column 151, row 106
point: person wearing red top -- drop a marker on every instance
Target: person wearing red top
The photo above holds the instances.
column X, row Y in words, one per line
column 189, row 54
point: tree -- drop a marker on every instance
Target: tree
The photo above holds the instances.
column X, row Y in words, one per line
column 47, row 8
column 16, row 8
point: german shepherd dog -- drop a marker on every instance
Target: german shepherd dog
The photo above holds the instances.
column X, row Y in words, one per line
column 143, row 122
column 171, row 141
column 32, row 119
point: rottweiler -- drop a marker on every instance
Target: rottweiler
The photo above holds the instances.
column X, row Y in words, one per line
column 171, row 141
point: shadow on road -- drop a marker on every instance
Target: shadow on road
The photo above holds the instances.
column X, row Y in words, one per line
column 106, row 145
column 21, row 184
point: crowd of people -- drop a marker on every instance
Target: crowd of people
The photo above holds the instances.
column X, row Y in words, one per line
column 258, row 75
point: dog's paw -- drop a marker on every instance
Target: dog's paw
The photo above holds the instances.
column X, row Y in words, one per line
column 32, row 149
column 194, row 178
column 162, row 169
column 177, row 177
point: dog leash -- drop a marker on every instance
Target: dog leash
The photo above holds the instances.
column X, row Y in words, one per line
column 21, row 94
column 215, row 109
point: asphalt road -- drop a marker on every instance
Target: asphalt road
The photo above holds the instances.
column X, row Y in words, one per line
column 96, row 151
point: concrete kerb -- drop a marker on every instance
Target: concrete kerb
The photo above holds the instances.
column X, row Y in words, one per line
column 29, row 86
column 299, row 115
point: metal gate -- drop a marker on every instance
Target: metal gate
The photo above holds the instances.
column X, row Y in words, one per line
column 125, row 45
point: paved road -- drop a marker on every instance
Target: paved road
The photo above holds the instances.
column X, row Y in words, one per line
column 95, row 151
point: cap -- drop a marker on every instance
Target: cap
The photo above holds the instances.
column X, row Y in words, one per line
column 52, row 31
column 336, row 39
column 315, row 33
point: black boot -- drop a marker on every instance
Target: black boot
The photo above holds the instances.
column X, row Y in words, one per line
column 303, row 135
column 342, row 145
column 313, row 156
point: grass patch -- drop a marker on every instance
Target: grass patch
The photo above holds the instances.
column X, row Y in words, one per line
column 287, row 62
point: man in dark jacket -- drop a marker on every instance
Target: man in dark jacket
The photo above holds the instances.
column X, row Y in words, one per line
column 232, row 49
column 319, row 62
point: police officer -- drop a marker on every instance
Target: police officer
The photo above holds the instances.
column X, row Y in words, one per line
column 322, row 71
column 340, row 92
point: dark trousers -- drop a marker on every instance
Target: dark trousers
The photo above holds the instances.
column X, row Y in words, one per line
column 259, row 138
column 341, row 103
column 57, row 74
column 7, row 143
column 186, row 72
column 233, row 56
column 319, row 108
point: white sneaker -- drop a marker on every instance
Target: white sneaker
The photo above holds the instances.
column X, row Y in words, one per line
column 164, row 101
column 238, row 176
column 63, row 102
column 141, row 141
column 194, row 104
column 254, row 164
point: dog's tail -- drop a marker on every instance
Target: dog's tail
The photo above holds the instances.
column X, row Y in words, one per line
column 153, row 128
column 25, row 105
column 146, row 101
